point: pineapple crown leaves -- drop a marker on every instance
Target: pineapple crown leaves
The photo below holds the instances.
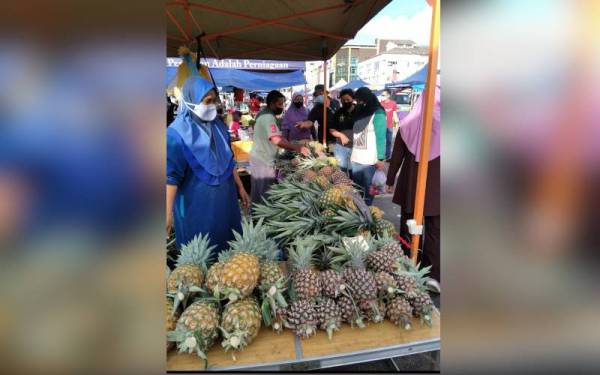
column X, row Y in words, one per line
column 301, row 253
column 353, row 251
column 253, row 240
column 197, row 251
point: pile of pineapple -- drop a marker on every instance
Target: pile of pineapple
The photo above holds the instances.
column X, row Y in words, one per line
column 344, row 265
column 227, row 298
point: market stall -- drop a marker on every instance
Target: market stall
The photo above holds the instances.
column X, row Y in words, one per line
column 285, row 352
column 323, row 202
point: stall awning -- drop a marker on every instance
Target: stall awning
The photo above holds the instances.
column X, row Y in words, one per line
column 255, row 80
column 354, row 84
column 266, row 29
column 250, row 80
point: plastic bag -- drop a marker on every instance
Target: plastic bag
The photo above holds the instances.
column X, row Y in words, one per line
column 378, row 183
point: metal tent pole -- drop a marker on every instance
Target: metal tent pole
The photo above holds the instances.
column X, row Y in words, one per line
column 325, row 102
column 429, row 102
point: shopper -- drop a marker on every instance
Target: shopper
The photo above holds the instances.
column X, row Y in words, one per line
column 368, row 148
column 391, row 114
column 315, row 118
column 407, row 153
column 234, row 128
column 202, row 183
column 267, row 139
column 341, row 129
column 292, row 127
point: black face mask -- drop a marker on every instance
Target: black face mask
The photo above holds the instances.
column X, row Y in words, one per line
column 347, row 105
column 278, row 111
column 298, row 104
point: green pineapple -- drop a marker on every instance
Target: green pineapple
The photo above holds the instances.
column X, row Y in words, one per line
column 305, row 280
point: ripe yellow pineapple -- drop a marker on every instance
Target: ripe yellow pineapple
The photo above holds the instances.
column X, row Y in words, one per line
column 188, row 277
column 331, row 197
column 197, row 329
column 170, row 320
column 376, row 212
column 322, row 181
column 240, row 324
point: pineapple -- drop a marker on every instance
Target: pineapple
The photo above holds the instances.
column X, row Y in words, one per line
column 332, row 161
column 349, row 201
column 350, row 312
column 272, row 284
column 322, row 182
column 196, row 329
column 331, row 197
column 339, row 177
column 240, row 324
column 385, row 228
column 309, row 175
column 305, row 280
column 399, row 311
column 329, row 315
column 360, row 282
column 171, row 320
column 406, row 283
column 301, row 317
column 326, row 171
column 239, row 274
column 331, row 280
column 188, row 277
column 328, row 215
column 374, row 312
column 213, row 276
column 423, row 306
column 382, row 261
column 376, row 212
column 391, row 245
column 386, row 284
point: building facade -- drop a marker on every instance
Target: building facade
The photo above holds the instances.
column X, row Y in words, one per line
column 345, row 61
column 394, row 61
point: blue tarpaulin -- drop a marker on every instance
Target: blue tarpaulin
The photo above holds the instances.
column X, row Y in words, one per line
column 418, row 78
column 252, row 81
column 354, row 84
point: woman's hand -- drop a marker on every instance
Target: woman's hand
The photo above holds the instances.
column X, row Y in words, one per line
column 380, row 165
column 389, row 189
column 303, row 150
column 244, row 197
column 304, row 124
column 344, row 139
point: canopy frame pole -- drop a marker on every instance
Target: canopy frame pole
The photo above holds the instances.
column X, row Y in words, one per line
column 325, row 102
column 429, row 103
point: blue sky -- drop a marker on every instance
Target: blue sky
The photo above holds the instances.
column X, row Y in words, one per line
column 401, row 19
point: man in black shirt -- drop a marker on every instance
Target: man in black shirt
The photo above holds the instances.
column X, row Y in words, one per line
column 341, row 129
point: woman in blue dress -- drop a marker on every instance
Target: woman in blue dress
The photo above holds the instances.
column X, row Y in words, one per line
column 202, row 183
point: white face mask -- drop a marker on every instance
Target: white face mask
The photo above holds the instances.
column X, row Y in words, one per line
column 206, row 112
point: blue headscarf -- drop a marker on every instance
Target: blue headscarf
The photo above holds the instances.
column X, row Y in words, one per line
column 205, row 143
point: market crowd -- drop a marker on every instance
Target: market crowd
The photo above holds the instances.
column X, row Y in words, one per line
column 364, row 133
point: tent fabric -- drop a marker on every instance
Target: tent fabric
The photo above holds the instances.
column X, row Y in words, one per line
column 266, row 29
column 418, row 78
column 339, row 84
column 171, row 73
column 257, row 81
column 254, row 80
column 354, row 84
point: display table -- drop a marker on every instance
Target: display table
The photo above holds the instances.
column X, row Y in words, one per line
column 286, row 352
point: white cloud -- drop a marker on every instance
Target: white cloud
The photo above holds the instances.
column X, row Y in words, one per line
column 415, row 28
